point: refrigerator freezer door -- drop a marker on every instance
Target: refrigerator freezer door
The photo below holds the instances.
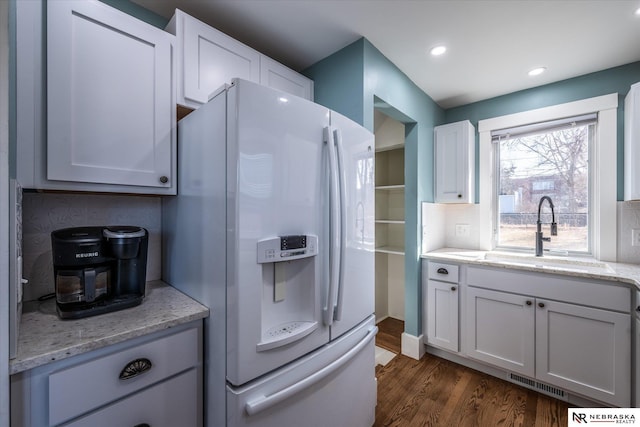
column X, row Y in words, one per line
column 276, row 192
column 355, row 297
column 334, row 386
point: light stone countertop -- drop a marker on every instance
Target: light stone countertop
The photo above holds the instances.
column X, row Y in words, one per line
column 44, row 338
column 568, row 266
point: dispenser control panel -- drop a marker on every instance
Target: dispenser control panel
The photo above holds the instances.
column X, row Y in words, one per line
column 287, row 248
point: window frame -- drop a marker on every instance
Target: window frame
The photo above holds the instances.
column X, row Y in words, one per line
column 603, row 213
column 546, row 127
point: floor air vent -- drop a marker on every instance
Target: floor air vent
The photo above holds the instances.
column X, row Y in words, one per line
column 556, row 392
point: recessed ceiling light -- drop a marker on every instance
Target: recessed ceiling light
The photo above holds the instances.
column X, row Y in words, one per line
column 537, row 71
column 638, row 11
column 438, row 50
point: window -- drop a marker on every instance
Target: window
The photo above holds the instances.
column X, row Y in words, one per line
column 545, row 159
column 602, row 164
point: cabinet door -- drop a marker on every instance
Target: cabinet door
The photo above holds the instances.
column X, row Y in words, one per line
column 442, row 315
column 169, row 404
column 277, row 76
column 585, row 350
column 454, row 163
column 211, row 59
column 500, row 329
column 110, row 97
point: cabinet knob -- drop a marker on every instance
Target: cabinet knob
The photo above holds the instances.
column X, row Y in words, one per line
column 541, row 304
column 135, row 368
column 638, row 308
column 164, row 179
column 529, row 302
column 453, row 288
column 459, row 196
column 442, row 270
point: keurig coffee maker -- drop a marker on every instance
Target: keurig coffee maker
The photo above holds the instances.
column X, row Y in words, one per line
column 98, row 269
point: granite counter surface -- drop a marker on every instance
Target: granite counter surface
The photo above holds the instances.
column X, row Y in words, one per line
column 44, row 338
column 567, row 266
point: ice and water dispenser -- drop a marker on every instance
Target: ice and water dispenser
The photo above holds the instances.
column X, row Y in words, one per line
column 289, row 289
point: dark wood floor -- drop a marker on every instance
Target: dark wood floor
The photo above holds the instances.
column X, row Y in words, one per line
column 435, row 392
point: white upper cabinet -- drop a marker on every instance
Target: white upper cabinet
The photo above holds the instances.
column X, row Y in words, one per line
column 277, row 76
column 208, row 59
column 454, row 158
column 632, row 143
column 109, row 96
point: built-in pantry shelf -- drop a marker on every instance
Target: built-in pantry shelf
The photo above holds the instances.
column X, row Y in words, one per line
column 395, row 250
column 399, row 187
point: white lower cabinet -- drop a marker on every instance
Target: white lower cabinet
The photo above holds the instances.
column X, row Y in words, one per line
column 442, row 315
column 500, row 329
column 171, row 403
column 580, row 349
column 153, row 380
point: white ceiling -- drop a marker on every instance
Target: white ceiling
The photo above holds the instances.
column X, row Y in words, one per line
column 492, row 44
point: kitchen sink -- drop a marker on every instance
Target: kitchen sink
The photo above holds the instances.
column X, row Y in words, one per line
column 584, row 265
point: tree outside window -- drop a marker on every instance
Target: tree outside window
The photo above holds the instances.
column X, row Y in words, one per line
column 552, row 162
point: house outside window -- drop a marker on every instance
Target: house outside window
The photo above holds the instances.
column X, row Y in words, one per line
column 544, row 159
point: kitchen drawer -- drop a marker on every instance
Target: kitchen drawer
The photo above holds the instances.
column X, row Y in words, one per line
column 170, row 403
column 443, row 272
column 577, row 290
column 87, row 386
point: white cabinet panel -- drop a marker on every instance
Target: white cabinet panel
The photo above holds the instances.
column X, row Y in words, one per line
column 442, row 315
column 277, row 76
column 585, row 350
column 500, row 329
column 454, row 159
column 168, row 404
column 167, row 357
column 110, row 98
column 209, row 59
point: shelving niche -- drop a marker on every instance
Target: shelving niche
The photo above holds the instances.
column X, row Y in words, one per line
column 389, row 217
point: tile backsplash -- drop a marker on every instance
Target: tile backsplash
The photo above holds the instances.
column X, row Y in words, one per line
column 628, row 220
column 43, row 213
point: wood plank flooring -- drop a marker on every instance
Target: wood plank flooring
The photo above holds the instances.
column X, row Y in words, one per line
column 435, row 392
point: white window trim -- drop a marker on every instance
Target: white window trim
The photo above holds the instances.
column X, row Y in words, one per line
column 603, row 163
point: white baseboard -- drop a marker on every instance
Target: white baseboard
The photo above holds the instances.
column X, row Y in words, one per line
column 412, row 346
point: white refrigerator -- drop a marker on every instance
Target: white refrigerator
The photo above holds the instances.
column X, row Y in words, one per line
column 273, row 230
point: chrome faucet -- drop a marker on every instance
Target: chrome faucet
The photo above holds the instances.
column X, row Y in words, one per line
column 554, row 226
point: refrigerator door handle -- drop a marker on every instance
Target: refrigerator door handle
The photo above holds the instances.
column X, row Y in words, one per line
column 264, row 402
column 334, row 227
column 342, row 184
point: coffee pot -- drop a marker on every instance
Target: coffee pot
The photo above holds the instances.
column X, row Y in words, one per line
column 98, row 269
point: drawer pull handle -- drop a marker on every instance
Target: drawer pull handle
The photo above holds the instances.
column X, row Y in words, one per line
column 442, row 270
column 135, row 368
column 142, row 425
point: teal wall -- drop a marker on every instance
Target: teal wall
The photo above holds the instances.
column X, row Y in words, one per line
column 613, row 80
column 348, row 82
